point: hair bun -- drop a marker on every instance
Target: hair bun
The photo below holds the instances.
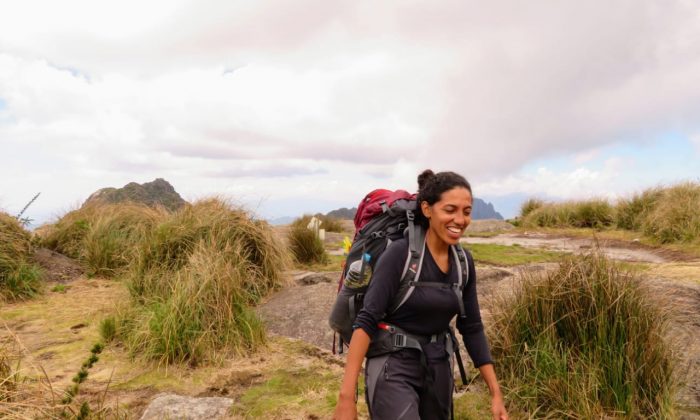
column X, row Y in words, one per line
column 424, row 177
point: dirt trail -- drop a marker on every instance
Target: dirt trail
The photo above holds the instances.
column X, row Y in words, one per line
column 615, row 250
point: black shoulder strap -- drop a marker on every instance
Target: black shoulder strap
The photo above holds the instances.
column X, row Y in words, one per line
column 414, row 263
column 462, row 278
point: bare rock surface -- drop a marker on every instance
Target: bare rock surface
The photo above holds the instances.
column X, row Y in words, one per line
column 172, row 406
column 57, row 267
column 301, row 310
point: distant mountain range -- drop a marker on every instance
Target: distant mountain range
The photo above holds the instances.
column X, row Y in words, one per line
column 481, row 210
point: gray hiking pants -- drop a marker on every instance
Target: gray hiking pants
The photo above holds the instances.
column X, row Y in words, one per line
column 396, row 387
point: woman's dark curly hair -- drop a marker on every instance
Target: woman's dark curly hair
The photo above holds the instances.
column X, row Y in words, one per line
column 431, row 186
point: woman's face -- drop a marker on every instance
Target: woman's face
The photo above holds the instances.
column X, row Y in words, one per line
column 451, row 215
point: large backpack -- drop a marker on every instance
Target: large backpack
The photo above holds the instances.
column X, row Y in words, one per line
column 382, row 217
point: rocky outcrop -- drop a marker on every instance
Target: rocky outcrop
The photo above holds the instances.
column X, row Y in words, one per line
column 156, row 193
column 483, row 210
column 172, row 406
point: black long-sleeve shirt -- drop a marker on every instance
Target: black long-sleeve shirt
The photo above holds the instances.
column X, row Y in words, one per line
column 428, row 310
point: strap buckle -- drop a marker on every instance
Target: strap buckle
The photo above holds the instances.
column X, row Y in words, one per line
column 399, row 340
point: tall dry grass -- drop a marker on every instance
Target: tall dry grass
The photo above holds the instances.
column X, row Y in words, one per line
column 663, row 214
column 193, row 281
column 630, row 213
column 305, row 246
column 585, row 341
column 25, row 390
column 103, row 237
column 330, row 224
column 20, row 278
column 530, row 205
column 675, row 217
column 595, row 213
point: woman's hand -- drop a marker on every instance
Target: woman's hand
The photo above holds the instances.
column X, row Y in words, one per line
column 498, row 409
column 346, row 409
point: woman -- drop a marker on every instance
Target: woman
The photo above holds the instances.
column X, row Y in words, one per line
column 398, row 386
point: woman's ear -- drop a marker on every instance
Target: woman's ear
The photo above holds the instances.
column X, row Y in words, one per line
column 425, row 208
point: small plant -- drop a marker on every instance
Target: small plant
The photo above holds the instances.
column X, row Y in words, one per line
column 306, row 247
column 108, row 329
column 72, row 391
column 60, row 288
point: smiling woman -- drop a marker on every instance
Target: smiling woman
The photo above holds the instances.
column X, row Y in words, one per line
column 408, row 373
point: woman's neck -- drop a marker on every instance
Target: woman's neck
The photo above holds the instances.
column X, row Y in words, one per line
column 437, row 246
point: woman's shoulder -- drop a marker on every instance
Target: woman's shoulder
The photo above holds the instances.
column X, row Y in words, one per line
column 395, row 251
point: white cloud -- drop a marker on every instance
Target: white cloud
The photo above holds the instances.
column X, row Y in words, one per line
column 329, row 99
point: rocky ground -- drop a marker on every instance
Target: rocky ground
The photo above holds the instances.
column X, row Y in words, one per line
column 55, row 332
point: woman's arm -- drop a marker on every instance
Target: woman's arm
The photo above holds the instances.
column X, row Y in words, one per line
column 346, row 407
column 498, row 408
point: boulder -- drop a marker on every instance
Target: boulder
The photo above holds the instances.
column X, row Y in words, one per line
column 172, row 406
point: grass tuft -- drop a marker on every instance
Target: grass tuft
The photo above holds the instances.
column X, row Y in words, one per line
column 103, row 237
column 306, row 247
column 594, row 213
column 675, row 217
column 20, row 278
column 584, row 341
column 193, row 281
column 330, row 224
column 530, row 205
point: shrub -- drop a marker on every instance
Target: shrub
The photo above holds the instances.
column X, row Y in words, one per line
column 631, row 213
column 330, row 224
column 593, row 213
column 584, row 341
column 19, row 277
column 193, row 280
column 103, row 236
column 675, row 217
column 306, row 247
column 529, row 205
column 113, row 236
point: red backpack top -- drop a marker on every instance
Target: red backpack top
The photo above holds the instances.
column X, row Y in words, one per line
column 373, row 202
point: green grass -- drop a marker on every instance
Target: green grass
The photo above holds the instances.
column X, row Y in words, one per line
column 584, row 341
column 306, row 247
column 105, row 237
column 20, row 278
column 594, row 213
column 192, row 284
column 60, row 288
column 333, row 263
column 308, row 389
column 665, row 215
column 330, row 224
column 472, row 405
column 510, row 255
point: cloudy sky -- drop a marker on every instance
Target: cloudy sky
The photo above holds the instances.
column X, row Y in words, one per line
column 291, row 107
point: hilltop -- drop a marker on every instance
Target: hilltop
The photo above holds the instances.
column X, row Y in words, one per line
column 157, row 192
